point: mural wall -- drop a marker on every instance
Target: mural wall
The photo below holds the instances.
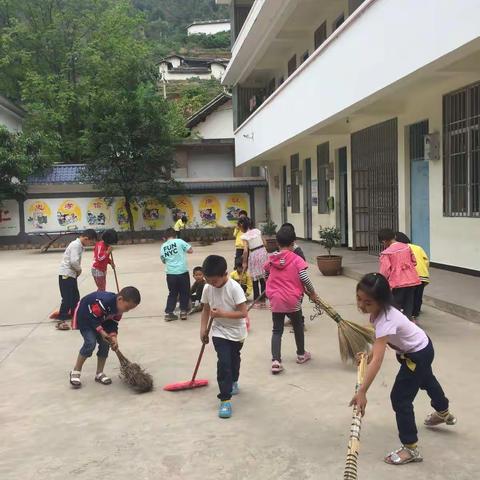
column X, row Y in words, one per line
column 70, row 214
column 9, row 218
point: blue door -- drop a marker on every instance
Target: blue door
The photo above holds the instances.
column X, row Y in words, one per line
column 419, row 186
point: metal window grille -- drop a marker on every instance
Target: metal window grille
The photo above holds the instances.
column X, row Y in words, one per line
column 323, row 160
column 461, row 152
column 374, row 183
column 417, row 133
column 295, row 182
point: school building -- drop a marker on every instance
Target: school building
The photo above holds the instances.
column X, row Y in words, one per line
column 366, row 114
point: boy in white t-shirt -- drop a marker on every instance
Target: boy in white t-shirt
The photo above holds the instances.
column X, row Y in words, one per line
column 224, row 301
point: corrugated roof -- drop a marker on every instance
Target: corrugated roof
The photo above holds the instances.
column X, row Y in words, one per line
column 59, row 174
column 64, row 174
column 222, row 184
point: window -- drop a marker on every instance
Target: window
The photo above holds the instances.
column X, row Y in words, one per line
column 338, row 22
column 461, row 152
column 292, row 65
column 323, row 160
column 270, row 87
column 295, row 182
column 320, row 35
column 304, row 57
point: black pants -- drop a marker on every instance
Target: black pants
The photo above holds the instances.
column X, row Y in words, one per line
column 70, row 296
column 258, row 287
column 404, row 299
column 228, row 365
column 277, row 332
column 405, row 389
column 418, row 299
column 238, row 254
column 178, row 285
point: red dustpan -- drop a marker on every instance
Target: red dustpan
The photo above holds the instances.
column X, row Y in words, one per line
column 193, row 383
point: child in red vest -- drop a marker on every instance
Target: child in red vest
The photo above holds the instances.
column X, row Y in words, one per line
column 102, row 258
column 287, row 280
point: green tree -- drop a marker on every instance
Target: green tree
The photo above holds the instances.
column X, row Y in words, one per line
column 131, row 145
column 20, row 157
column 54, row 55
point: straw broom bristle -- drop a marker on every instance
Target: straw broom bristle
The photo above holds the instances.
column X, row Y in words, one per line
column 134, row 375
column 353, row 339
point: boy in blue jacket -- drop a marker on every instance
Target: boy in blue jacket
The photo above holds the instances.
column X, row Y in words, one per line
column 97, row 318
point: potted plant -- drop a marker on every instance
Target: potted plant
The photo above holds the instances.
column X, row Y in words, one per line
column 269, row 230
column 329, row 264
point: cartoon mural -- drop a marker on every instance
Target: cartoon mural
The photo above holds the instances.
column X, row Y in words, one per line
column 98, row 213
column 234, row 205
column 209, row 210
column 69, row 215
column 154, row 214
column 38, row 214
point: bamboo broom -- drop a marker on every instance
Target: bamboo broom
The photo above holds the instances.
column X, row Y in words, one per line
column 131, row 373
column 351, row 463
column 352, row 338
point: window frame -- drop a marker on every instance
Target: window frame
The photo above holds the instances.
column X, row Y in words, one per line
column 461, row 152
column 295, row 182
column 323, row 178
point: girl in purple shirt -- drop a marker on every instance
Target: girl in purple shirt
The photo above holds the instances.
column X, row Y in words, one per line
column 414, row 353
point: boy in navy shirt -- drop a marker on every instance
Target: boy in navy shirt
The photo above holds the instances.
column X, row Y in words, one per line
column 97, row 318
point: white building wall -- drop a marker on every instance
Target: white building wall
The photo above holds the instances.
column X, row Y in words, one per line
column 208, row 28
column 170, row 75
column 12, row 121
column 217, row 70
column 218, row 124
column 210, row 165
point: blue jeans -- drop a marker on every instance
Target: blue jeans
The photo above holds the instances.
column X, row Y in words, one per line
column 90, row 340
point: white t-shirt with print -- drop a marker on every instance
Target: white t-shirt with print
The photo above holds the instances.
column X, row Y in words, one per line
column 226, row 298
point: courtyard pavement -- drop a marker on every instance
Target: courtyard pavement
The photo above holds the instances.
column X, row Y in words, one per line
column 292, row 426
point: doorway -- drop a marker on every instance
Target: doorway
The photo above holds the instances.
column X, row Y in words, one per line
column 284, row 194
column 307, row 199
column 343, row 195
column 419, row 186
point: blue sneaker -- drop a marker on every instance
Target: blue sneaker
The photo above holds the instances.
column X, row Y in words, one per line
column 235, row 389
column 225, row 410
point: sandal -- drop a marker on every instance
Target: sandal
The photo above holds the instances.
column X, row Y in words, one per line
column 103, row 379
column 75, row 379
column 394, row 458
column 277, row 367
column 435, row 419
column 63, row 326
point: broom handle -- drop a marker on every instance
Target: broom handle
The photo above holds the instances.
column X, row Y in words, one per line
column 209, row 326
column 115, row 272
column 329, row 310
column 197, row 366
column 351, row 466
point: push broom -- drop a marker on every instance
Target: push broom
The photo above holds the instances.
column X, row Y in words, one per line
column 351, row 463
column 194, row 382
column 132, row 374
column 352, row 338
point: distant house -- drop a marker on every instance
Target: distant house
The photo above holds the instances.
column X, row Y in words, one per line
column 178, row 68
column 11, row 116
column 208, row 27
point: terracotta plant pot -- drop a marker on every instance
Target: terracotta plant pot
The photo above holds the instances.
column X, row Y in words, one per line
column 330, row 265
column 271, row 244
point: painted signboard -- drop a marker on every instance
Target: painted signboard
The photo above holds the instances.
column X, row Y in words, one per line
column 9, row 218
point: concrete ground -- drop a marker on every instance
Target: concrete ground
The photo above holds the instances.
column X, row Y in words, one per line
column 293, row 426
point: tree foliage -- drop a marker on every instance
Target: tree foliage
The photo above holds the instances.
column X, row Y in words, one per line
column 20, row 157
